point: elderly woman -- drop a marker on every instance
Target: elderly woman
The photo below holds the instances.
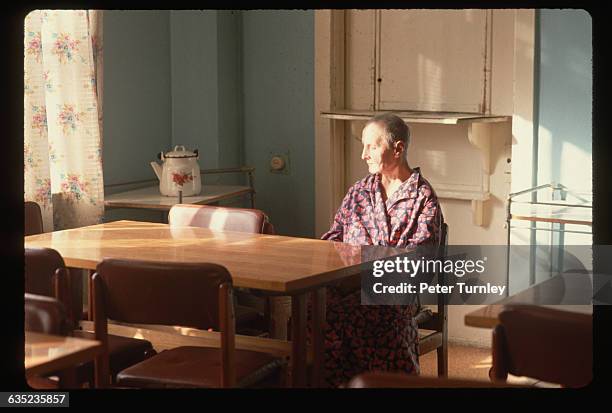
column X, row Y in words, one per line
column 393, row 206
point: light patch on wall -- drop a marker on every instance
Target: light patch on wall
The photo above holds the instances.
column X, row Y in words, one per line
column 431, row 85
column 436, row 160
column 545, row 161
column 579, row 175
column 520, row 122
column 469, row 16
column 575, row 63
column 522, row 145
column 523, row 31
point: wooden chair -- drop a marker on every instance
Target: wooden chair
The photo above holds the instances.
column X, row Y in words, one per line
column 249, row 319
column 47, row 315
column 551, row 345
column 436, row 322
column 220, row 218
column 189, row 295
column 46, row 274
column 399, row 380
column 33, row 219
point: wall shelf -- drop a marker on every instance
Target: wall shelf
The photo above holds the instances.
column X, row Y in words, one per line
column 443, row 118
column 462, row 194
column 477, row 197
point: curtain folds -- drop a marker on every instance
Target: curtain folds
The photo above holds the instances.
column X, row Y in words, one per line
column 63, row 116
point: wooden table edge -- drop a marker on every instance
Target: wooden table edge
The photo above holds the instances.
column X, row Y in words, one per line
column 66, row 361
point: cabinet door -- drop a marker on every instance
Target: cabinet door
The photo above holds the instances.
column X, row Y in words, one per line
column 434, row 60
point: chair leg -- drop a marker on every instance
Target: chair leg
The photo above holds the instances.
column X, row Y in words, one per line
column 442, row 360
column 284, row 376
column 268, row 316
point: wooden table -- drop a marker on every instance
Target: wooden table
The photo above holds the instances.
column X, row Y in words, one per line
column 571, row 290
column 46, row 353
column 277, row 264
column 150, row 197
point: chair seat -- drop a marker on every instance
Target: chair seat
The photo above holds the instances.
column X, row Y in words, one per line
column 197, row 367
column 123, row 352
column 429, row 341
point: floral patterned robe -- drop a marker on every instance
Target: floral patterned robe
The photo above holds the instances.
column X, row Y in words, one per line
column 361, row 338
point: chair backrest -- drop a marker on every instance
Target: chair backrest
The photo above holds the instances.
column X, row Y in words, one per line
column 33, row 219
column 438, row 321
column 220, row 218
column 268, row 228
column 145, row 292
column 440, row 253
column 45, row 315
column 46, row 274
column 185, row 294
column 443, row 245
column 551, row 345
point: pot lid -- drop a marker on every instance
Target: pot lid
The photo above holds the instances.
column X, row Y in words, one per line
column 180, row 152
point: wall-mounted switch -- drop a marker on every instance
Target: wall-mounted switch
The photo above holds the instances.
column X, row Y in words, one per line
column 279, row 163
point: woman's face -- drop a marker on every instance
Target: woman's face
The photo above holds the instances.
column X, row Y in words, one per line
column 376, row 151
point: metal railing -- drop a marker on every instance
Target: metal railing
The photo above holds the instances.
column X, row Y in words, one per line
column 557, row 190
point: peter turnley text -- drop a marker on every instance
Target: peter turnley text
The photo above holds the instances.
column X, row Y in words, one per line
column 406, row 288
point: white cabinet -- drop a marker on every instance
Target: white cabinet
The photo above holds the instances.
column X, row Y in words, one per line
column 433, row 60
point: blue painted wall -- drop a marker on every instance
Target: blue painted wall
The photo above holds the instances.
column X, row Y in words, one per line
column 239, row 86
column 565, row 98
column 137, row 100
column 229, row 98
column 206, row 88
column 563, row 103
column 278, row 73
column 195, row 83
column 137, row 93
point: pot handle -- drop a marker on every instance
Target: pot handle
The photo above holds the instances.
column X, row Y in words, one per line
column 196, row 153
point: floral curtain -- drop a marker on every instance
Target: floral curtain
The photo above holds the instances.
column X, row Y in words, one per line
column 63, row 116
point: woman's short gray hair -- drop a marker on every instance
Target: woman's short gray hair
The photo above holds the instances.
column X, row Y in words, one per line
column 395, row 129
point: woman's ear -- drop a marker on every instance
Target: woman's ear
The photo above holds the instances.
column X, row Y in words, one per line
column 399, row 148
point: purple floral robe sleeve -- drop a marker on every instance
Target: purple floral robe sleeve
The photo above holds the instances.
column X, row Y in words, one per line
column 336, row 231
